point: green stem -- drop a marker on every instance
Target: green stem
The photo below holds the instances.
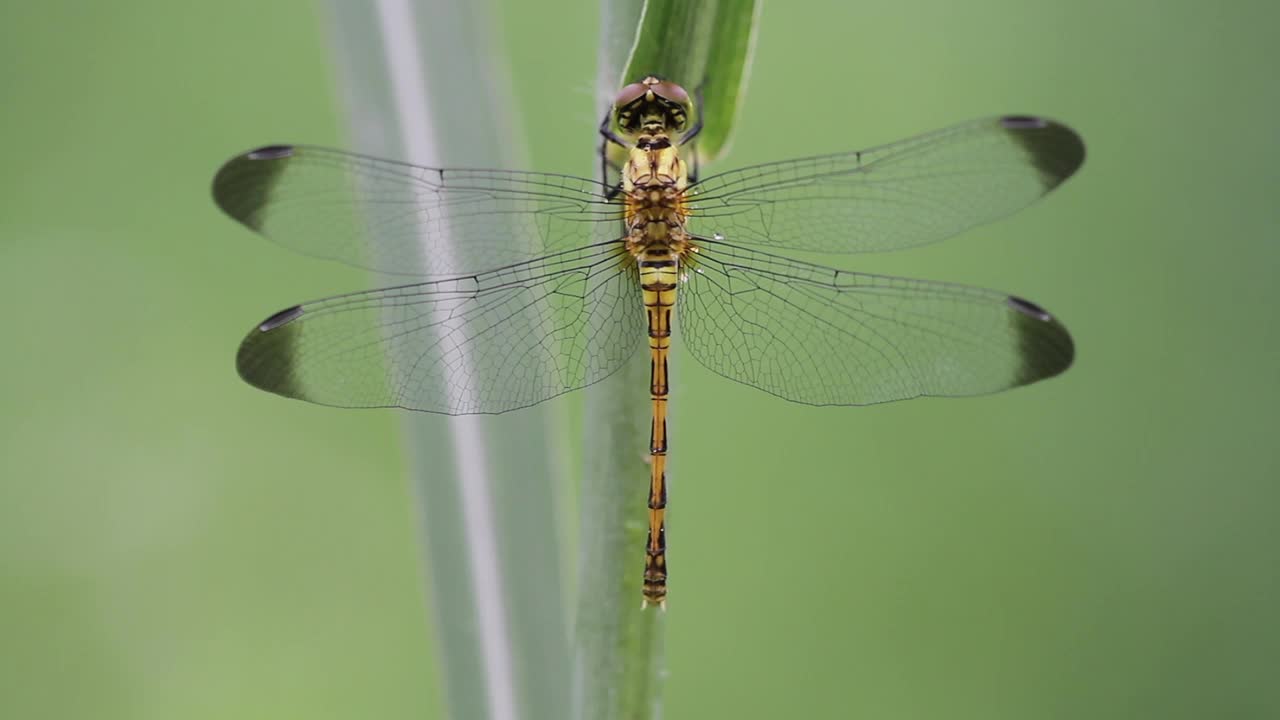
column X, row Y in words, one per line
column 427, row 88
column 619, row 649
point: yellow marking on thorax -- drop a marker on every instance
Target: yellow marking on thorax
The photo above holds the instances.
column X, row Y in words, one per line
column 654, row 181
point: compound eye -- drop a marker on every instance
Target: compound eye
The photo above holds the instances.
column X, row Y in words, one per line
column 672, row 92
column 630, row 94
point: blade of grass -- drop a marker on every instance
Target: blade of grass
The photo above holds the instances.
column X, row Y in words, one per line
column 484, row 485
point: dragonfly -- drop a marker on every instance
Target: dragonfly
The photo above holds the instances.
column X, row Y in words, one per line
column 521, row 286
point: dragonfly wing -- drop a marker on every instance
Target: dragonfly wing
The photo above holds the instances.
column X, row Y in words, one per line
column 909, row 193
column 404, row 219
column 822, row 336
column 483, row 343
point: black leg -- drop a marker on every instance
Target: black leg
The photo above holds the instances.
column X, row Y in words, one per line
column 697, row 124
column 609, row 137
column 693, row 131
column 606, row 130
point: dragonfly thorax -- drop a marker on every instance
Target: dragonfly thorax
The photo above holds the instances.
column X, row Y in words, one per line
column 653, row 168
column 654, row 183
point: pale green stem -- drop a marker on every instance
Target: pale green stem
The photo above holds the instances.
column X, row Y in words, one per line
column 486, row 498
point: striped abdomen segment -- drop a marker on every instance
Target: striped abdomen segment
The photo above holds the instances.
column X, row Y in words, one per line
column 659, row 276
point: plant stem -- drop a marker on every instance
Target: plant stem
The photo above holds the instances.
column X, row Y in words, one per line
column 618, row 649
column 485, row 491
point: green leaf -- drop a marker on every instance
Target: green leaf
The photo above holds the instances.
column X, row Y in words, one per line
column 704, row 46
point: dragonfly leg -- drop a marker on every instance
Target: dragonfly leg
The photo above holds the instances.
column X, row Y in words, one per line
column 609, row 138
column 689, row 136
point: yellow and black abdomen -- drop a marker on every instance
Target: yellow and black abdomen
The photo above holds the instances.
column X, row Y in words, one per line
column 659, row 279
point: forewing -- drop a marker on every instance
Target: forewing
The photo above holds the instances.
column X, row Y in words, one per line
column 909, row 193
column 483, row 343
column 822, row 336
column 405, row 219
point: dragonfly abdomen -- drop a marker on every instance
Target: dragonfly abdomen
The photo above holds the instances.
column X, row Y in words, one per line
column 659, row 282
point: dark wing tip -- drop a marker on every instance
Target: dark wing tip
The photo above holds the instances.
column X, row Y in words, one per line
column 1044, row 344
column 243, row 184
column 1019, row 122
column 270, row 152
column 281, row 318
column 265, row 359
column 1055, row 149
column 1022, row 305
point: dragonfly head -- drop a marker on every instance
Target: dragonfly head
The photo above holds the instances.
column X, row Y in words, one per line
column 652, row 107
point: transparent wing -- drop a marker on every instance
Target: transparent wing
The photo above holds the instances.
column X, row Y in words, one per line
column 404, row 219
column 912, row 192
column 483, row 343
column 822, row 336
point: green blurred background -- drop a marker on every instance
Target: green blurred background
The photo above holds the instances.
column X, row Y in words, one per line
column 174, row 544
